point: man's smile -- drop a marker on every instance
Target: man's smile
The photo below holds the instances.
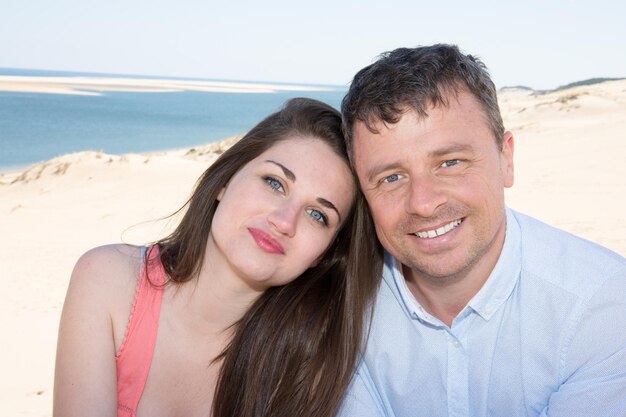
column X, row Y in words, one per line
column 440, row 231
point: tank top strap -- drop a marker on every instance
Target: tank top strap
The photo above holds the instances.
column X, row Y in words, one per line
column 135, row 354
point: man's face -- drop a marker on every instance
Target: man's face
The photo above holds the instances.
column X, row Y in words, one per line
column 435, row 187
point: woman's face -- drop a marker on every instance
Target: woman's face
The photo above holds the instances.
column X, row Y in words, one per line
column 280, row 212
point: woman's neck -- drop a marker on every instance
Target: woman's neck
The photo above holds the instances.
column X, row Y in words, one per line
column 215, row 299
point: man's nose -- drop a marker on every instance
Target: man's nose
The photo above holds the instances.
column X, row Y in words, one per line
column 426, row 195
column 284, row 218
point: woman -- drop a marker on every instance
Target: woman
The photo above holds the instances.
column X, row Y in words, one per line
column 258, row 295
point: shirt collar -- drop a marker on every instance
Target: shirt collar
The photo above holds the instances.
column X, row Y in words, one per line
column 393, row 275
column 491, row 296
column 502, row 280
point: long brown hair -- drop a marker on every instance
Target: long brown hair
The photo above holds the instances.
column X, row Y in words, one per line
column 293, row 352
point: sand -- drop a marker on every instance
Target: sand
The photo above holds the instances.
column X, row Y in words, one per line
column 569, row 172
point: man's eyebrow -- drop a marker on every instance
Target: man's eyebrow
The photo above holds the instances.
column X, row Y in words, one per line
column 455, row 147
column 376, row 169
column 288, row 173
column 329, row 205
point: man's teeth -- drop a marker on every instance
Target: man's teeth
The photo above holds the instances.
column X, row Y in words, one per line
column 440, row 231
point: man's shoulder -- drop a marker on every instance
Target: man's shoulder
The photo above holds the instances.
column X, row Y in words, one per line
column 542, row 240
column 563, row 259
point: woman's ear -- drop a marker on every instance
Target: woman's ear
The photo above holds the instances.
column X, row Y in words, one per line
column 221, row 194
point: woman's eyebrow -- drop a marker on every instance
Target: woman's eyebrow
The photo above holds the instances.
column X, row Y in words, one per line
column 288, row 173
column 329, row 205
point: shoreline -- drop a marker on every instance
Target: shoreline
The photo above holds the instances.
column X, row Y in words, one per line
column 16, row 169
column 95, row 86
column 51, row 116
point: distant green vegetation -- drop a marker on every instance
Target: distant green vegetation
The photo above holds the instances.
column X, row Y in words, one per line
column 590, row 81
column 516, row 87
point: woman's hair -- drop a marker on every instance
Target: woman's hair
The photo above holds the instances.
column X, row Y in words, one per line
column 294, row 351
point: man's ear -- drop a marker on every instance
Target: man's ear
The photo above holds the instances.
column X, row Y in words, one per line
column 507, row 159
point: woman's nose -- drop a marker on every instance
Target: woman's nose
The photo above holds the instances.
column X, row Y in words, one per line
column 284, row 219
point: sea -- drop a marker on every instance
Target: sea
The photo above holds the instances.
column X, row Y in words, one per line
column 36, row 127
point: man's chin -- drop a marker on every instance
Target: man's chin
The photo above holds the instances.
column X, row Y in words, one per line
column 441, row 267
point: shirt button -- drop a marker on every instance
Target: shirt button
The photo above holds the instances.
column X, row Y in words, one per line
column 456, row 344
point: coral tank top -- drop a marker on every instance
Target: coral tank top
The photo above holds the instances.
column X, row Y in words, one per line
column 135, row 355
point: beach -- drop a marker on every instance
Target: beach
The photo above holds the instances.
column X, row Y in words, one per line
column 567, row 173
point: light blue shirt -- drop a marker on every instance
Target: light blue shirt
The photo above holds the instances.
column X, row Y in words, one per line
column 545, row 336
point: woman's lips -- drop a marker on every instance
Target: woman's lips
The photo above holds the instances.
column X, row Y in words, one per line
column 265, row 241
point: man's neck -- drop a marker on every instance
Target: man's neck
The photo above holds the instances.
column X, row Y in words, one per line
column 445, row 297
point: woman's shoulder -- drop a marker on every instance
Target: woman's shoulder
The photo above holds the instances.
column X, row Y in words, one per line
column 104, row 279
column 103, row 284
column 98, row 299
column 117, row 254
column 108, row 266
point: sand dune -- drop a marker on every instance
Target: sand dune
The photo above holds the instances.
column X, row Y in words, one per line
column 568, row 173
column 567, row 169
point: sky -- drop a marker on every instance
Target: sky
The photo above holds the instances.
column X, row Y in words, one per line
column 539, row 44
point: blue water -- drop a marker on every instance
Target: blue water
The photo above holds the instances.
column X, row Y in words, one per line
column 37, row 127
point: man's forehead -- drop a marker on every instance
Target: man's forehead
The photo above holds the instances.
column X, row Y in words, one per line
column 458, row 126
column 371, row 125
column 374, row 125
column 449, row 95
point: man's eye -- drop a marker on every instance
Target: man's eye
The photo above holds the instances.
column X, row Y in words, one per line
column 450, row 163
column 273, row 183
column 318, row 216
column 391, row 178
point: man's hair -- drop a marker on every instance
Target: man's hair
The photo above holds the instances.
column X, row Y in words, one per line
column 416, row 79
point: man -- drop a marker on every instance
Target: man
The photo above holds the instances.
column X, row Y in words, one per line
column 482, row 311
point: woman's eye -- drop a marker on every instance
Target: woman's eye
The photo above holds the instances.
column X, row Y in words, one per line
column 391, row 178
column 450, row 163
column 273, row 183
column 318, row 216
